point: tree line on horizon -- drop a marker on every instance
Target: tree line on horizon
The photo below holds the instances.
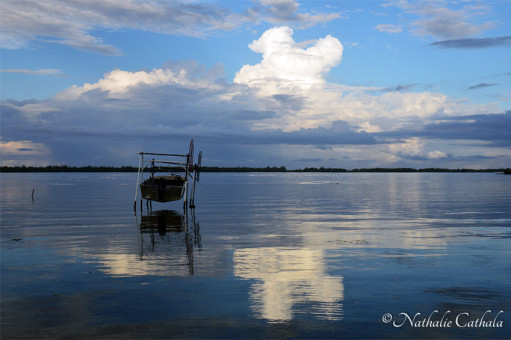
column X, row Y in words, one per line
column 90, row 168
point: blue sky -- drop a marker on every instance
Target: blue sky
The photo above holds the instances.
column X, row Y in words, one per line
column 273, row 82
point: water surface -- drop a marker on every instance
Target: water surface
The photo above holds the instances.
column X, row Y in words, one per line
column 263, row 255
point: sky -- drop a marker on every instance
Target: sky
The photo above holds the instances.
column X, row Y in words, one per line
column 345, row 84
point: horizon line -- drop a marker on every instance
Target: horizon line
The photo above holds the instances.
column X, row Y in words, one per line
column 130, row 168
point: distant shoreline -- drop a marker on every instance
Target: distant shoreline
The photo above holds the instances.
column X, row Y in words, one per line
column 65, row 168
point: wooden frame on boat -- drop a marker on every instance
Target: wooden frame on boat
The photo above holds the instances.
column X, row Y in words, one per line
column 171, row 187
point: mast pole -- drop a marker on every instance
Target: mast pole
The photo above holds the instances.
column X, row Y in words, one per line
column 185, row 203
column 140, row 162
column 192, row 199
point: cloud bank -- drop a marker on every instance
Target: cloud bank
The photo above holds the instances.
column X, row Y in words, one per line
column 72, row 23
column 280, row 111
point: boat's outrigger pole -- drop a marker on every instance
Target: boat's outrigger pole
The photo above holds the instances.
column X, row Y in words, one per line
column 196, row 174
column 171, row 187
column 140, row 162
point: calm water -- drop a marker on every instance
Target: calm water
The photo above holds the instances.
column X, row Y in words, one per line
column 278, row 255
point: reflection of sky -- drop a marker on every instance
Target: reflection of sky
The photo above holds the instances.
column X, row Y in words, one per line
column 273, row 251
column 287, row 278
column 166, row 241
column 126, row 264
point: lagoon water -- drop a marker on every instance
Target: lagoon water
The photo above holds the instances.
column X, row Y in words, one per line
column 263, row 255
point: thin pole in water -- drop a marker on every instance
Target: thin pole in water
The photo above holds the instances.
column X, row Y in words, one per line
column 187, row 168
column 192, row 199
column 140, row 162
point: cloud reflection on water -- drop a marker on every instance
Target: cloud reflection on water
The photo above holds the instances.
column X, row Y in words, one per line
column 288, row 277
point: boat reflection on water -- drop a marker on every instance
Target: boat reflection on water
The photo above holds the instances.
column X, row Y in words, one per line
column 169, row 238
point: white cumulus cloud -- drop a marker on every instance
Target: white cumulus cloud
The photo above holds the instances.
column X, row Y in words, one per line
column 290, row 80
column 287, row 64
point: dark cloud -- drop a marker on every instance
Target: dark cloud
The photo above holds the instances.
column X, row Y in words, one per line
column 252, row 115
column 18, row 102
column 474, row 43
column 291, row 102
column 309, row 160
column 399, row 88
column 96, row 128
column 419, row 157
column 338, row 134
column 438, row 20
column 93, row 129
column 492, row 128
column 481, row 85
